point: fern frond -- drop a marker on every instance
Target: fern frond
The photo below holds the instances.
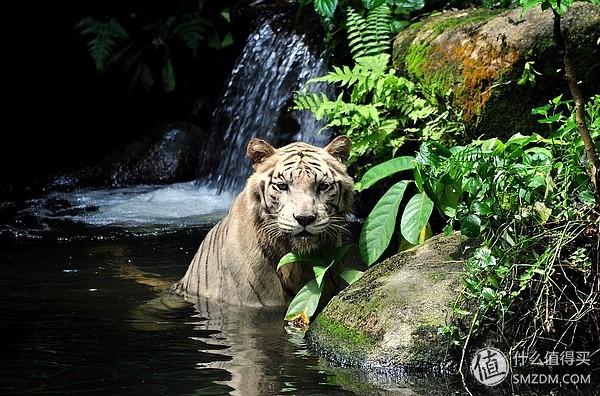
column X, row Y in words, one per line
column 378, row 30
column 356, row 26
column 192, row 31
column 104, row 34
column 369, row 35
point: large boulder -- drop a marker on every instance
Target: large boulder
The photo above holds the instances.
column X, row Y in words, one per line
column 480, row 54
column 166, row 154
column 390, row 317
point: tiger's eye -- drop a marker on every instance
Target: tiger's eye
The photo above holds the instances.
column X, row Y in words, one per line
column 282, row 186
column 324, row 186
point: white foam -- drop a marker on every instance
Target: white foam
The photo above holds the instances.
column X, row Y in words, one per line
column 181, row 204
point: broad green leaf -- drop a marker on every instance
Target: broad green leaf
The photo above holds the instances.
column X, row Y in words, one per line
column 379, row 226
column 325, row 8
column 415, row 217
column 470, row 226
column 384, row 170
column 521, row 140
column 448, row 196
column 351, row 275
column 320, row 272
column 293, row 257
column 494, row 144
column 304, row 305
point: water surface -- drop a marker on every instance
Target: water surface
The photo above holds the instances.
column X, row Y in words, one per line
column 75, row 320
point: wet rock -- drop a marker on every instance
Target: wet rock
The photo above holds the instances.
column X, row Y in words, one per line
column 167, row 154
column 390, row 317
column 479, row 55
column 56, row 204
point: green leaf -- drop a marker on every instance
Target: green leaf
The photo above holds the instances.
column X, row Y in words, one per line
column 529, row 4
column 304, row 305
column 418, row 175
column 226, row 14
column 587, row 197
column 488, row 293
column 351, row 275
column 470, row 226
column 320, row 272
column 449, row 228
column 325, row 8
column 398, row 25
column 415, row 217
column 294, row 257
column 379, row 226
column 227, row 40
column 384, row 170
column 521, row 140
column 542, row 211
column 370, row 4
column 448, row 196
column 168, row 76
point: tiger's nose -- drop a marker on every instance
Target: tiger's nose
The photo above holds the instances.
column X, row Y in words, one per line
column 305, row 220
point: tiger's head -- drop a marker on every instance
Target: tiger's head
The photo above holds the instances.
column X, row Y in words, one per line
column 303, row 192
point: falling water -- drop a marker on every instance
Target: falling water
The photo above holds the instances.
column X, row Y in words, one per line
column 275, row 62
column 257, row 101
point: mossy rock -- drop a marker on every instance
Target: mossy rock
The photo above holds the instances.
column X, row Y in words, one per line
column 390, row 317
column 479, row 55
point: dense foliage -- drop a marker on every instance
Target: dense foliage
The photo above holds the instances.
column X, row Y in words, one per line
column 529, row 200
column 149, row 46
column 532, row 205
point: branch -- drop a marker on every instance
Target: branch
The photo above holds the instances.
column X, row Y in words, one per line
column 565, row 48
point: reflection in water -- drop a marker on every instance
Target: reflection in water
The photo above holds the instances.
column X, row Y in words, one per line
column 71, row 323
column 91, row 319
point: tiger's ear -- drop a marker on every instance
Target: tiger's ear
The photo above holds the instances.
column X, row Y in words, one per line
column 340, row 148
column 258, row 150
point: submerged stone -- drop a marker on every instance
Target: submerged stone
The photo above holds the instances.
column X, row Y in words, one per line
column 390, row 317
column 479, row 55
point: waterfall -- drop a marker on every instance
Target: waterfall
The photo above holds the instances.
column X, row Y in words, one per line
column 275, row 62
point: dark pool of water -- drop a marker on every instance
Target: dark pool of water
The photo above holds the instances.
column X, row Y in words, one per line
column 87, row 318
column 90, row 318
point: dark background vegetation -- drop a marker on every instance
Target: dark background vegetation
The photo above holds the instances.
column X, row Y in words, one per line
column 60, row 113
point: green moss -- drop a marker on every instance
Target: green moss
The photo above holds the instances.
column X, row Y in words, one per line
column 342, row 337
column 474, row 18
column 416, row 55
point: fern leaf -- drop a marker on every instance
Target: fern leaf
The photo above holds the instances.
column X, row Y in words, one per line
column 356, row 26
column 192, row 32
column 104, row 34
column 378, row 31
